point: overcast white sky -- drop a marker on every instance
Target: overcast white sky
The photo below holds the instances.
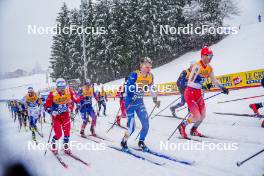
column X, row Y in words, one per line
column 20, row 50
column 17, row 48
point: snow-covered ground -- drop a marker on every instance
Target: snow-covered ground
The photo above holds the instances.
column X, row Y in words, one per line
column 235, row 53
column 15, row 88
column 244, row 132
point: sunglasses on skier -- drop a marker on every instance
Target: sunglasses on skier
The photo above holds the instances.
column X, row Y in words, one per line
column 210, row 56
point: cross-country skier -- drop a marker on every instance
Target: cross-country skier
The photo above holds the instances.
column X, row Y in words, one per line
column 102, row 98
column 13, row 109
column 182, row 84
column 32, row 103
column 19, row 114
column 138, row 82
column 193, row 93
column 57, row 105
column 9, row 106
column 86, row 93
column 256, row 106
column 24, row 114
column 43, row 108
column 121, row 94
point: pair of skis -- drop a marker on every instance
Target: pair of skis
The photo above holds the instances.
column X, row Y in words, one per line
column 237, row 114
column 120, row 126
column 200, row 139
column 61, row 161
column 134, row 152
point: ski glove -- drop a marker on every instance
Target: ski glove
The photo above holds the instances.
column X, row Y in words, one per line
column 207, row 86
column 55, row 113
column 225, row 90
column 156, row 102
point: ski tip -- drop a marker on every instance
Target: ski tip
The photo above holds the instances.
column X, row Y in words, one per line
column 238, row 164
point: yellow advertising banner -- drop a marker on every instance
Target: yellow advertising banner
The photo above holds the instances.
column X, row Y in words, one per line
column 232, row 81
column 241, row 79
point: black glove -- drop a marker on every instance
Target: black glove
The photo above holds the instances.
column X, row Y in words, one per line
column 225, row 90
column 156, row 102
column 207, row 86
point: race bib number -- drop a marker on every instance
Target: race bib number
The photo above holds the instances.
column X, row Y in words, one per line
column 101, row 98
column 88, row 100
column 34, row 112
column 62, row 108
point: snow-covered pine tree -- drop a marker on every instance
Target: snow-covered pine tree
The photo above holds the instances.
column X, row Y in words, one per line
column 87, row 10
column 76, row 50
column 103, row 42
column 60, row 49
column 117, row 31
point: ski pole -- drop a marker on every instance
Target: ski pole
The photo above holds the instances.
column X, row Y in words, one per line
column 165, row 107
column 41, row 123
column 239, row 163
column 49, row 138
column 219, row 102
column 204, row 99
column 114, row 121
column 149, row 116
column 130, row 104
column 178, row 126
column 189, row 113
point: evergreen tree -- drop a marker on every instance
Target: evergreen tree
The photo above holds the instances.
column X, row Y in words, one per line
column 132, row 31
column 60, row 53
column 76, row 50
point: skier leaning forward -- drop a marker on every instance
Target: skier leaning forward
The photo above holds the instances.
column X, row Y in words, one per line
column 135, row 87
column 32, row 103
column 193, row 93
column 86, row 93
column 57, row 105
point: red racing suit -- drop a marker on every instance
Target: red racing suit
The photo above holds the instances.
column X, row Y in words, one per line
column 57, row 104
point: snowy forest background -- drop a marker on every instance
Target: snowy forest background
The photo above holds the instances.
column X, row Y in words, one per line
column 132, row 31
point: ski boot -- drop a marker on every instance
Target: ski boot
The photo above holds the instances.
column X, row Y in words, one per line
column 142, row 146
column 255, row 108
column 82, row 131
column 34, row 136
column 118, row 119
column 194, row 132
column 124, row 145
column 172, row 112
column 262, row 125
column 53, row 148
column 92, row 131
column 67, row 149
column 182, row 131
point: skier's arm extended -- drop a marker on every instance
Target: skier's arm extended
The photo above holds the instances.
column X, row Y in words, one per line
column 214, row 80
column 154, row 93
column 217, row 83
column 74, row 97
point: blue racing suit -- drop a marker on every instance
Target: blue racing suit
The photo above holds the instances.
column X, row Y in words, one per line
column 135, row 87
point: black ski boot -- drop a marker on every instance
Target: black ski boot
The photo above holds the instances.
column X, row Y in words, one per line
column 142, row 146
column 124, row 145
column 172, row 112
